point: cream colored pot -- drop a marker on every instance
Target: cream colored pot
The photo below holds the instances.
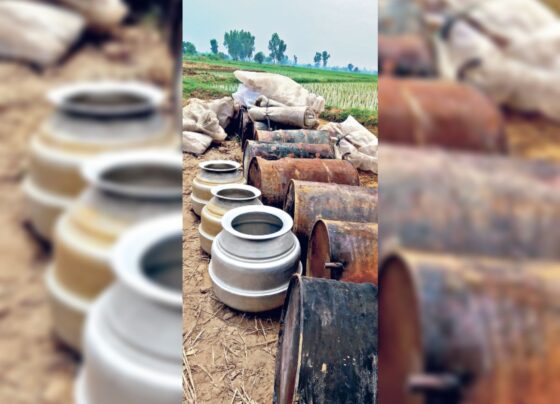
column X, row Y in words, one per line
column 211, row 174
column 89, row 119
column 225, row 198
column 133, row 336
column 125, row 188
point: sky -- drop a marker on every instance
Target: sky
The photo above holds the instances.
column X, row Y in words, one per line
column 347, row 29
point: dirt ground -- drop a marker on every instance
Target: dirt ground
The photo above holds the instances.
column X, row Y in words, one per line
column 34, row 368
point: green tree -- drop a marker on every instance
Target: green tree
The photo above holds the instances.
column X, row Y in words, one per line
column 189, row 48
column 350, row 67
column 295, row 59
column 325, row 56
column 240, row 44
column 259, row 57
column 317, row 59
column 277, row 48
column 214, row 46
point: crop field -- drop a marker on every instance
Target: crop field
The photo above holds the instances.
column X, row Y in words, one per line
column 345, row 93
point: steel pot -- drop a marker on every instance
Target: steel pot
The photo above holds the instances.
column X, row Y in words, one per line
column 125, row 188
column 253, row 258
column 225, row 198
column 213, row 173
column 89, row 119
column 133, row 336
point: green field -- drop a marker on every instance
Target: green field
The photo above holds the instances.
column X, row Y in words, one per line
column 345, row 93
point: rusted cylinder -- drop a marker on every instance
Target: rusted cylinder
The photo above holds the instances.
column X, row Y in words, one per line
column 308, row 201
column 466, row 329
column 273, row 177
column 439, row 113
column 343, row 251
column 293, row 136
column 276, row 151
column 405, row 55
column 319, row 360
column 435, row 201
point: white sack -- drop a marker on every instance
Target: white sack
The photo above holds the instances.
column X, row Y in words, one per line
column 281, row 88
column 35, row 32
column 225, row 109
column 245, row 96
column 198, row 117
column 195, row 143
column 99, row 14
column 507, row 80
column 300, row 117
column 263, row 101
column 527, row 30
column 355, row 143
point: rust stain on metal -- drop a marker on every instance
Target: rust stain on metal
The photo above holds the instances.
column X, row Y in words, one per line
column 276, row 151
column 472, row 204
column 439, row 113
column 405, row 55
column 307, row 202
column 293, row 136
column 273, row 177
column 344, row 251
column 487, row 330
column 319, row 360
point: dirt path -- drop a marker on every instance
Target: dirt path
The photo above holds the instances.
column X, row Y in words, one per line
column 34, row 369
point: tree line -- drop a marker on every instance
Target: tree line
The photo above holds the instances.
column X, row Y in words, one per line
column 240, row 45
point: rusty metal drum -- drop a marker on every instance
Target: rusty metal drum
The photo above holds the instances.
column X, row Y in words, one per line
column 344, row 251
column 273, row 177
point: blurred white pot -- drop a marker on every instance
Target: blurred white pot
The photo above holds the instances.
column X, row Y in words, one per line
column 89, row 119
column 133, row 336
column 254, row 258
column 125, row 188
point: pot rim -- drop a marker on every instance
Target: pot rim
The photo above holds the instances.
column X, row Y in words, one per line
column 229, row 217
column 235, row 166
column 152, row 97
column 256, row 192
column 129, row 252
column 93, row 170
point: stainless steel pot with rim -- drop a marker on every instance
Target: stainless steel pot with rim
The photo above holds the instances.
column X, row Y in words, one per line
column 253, row 258
column 213, row 173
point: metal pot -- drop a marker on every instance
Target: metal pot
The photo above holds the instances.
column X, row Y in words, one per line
column 89, row 119
column 133, row 336
column 225, row 198
column 213, row 173
column 253, row 258
column 125, row 188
